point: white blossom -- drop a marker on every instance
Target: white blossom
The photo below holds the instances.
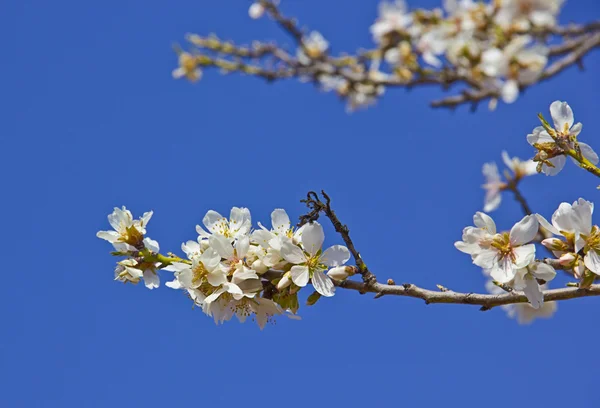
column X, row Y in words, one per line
column 476, row 239
column 238, row 225
column 310, row 262
column 521, row 14
column 566, row 130
column 518, row 167
column 393, row 17
column 509, row 252
column 128, row 233
column 313, row 47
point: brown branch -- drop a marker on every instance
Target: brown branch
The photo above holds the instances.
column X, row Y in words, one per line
column 445, row 295
column 484, row 300
column 355, row 70
column 583, row 46
column 316, row 206
column 287, row 24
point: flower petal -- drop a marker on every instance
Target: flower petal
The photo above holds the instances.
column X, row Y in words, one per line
column 558, row 162
column 280, row 221
column 300, row 275
column 524, row 231
column 542, row 271
column 562, row 115
column 222, row 246
column 313, row 237
column 484, row 221
column 151, row 244
column 546, row 225
column 592, row 261
column 504, row 271
column 533, row 292
column 524, row 255
column 486, row 258
column 151, row 279
column 335, row 256
column 588, row 153
column 323, row 284
column 110, row 236
column 292, row 253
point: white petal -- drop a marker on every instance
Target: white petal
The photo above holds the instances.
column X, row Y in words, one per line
column 486, row 258
column 201, row 232
column 504, row 271
column 542, row 271
column 467, row 248
column 576, row 129
column 524, row 231
column 216, row 278
column 214, row 296
column 110, row 236
column 323, row 284
column 239, row 217
column 534, row 293
column 484, row 221
column 546, row 225
column 582, row 216
column 592, row 261
column 492, row 201
column 539, row 135
column 507, row 160
column 151, row 244
column 211, row 219
column 510, row 91
column 262, row 237
column 241, row 246
column 222, row 246
column 524, row 255
column 176, row 267
column 558, row 162
column 292, row 253
column 174, row 284
column 588, row 153
column 151, row 279
column 280, row 220
column 313, row 237
column 562, row 115
column 335, row 256
column 210, row 259
column 190, row 248
column 300, row 275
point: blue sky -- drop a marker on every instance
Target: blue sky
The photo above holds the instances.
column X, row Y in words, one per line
column 92, row 120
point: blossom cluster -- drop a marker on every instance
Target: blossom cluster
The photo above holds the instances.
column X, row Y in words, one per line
column 489, row 43
column 231, row 268
column 509, row 258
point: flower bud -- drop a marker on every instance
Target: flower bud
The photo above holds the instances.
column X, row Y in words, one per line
column 284, row 282
column 340, row 273
column 256, row 11
column 567, row 259
column 555, row 244
column 259, row 267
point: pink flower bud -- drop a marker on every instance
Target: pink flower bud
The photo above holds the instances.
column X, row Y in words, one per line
column 567, row 259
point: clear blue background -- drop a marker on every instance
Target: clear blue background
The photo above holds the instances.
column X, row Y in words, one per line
column 91, row 119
